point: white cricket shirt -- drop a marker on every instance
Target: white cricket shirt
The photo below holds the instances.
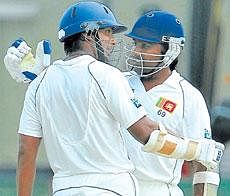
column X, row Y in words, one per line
column 78, row 107
column 180, row 107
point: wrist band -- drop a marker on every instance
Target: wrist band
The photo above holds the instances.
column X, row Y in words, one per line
column 206, row 177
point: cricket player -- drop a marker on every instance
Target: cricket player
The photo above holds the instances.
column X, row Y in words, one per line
column 168, row 98
column 78, row 106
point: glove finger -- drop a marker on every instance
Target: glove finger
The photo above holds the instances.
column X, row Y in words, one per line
column 11, row 60
column 47, row 47
column 17, row 42
column 43, row 53
column 14, row 51
column 24, row 48
column 21, row 46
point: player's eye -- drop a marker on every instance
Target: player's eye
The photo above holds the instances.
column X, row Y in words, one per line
column 142, row 44
column 108, row 31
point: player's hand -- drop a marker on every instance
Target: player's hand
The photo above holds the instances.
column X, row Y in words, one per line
column 22, row 65
column 210, row 153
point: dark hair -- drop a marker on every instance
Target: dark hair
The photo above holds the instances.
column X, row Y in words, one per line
column 73, row 43
column 165, row 47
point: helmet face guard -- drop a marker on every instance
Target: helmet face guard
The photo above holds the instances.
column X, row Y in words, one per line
column 147, row 64
column 155, row 27
column 106, row 52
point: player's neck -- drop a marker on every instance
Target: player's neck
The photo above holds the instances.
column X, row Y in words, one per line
column 156, row 79
column 86, row 50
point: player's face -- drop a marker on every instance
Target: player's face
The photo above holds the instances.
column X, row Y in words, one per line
column 149, row 52
column 144, row 57
column 107, row 40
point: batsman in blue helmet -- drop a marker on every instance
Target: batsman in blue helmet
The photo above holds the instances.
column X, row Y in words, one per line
column 79, row 106
column 156, row 27
column 158, row 39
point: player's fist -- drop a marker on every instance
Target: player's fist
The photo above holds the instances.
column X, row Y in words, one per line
column 210, row 153
column 22, row 65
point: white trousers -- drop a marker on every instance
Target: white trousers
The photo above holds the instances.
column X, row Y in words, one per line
column 123, row 184
column 86, row 191
column 154, row 188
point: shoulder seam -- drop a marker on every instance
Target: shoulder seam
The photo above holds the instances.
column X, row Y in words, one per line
column 38, row 87
column 183, row 93
column 95, row 78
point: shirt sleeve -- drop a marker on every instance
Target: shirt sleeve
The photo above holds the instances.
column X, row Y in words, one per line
column 196, row 122
column 30, row 121
column 121, row 101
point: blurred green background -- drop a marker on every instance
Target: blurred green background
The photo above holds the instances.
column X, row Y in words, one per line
column 204, row 62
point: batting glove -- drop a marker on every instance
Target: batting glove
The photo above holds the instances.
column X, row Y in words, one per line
column 22, row 65
column 210, row 153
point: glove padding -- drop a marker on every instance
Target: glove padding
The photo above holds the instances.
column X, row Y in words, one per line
column 206, row 151
column 22, row 65
column 210, row 153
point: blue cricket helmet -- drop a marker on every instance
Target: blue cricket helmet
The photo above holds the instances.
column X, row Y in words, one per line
column 154, row 26
column 85, row 16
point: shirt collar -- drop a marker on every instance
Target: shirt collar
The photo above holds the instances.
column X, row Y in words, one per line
column 74, row 61
column 173, row 80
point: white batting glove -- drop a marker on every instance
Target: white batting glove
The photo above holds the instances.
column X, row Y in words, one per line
column 22, row 65
column 210, row 153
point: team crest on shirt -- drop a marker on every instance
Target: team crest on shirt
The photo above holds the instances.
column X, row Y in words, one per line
column 166, row 104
